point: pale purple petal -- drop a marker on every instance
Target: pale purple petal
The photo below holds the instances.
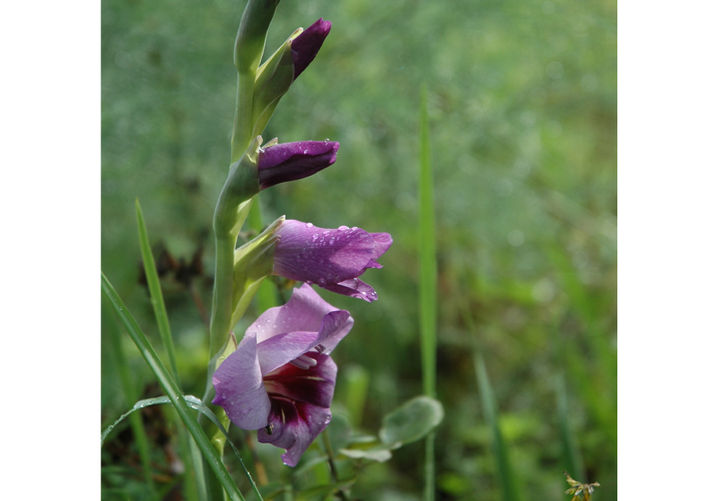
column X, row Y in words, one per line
column 383, row 241
column 239, row 387
column 354, row 288
column 283, row 348
column 329, row 257
column 303, row 312
column 307, row 44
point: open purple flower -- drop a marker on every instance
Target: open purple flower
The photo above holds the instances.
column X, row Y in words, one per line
column 306, row 46
column 332, row 259
column 280, row 380
column 289, row 161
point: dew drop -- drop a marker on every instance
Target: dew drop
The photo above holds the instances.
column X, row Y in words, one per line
column 309, row 225
column 343, row 228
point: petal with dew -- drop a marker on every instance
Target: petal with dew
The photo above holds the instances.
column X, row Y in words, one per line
column 303, row 312
column 278, row 350
column 239, row 387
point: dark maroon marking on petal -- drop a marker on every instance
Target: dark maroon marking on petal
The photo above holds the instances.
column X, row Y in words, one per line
column 314, row 385
column 294, row 426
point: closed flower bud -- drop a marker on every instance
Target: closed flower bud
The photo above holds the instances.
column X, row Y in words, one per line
column 277, row 73
column 306, row 46
column 330, row 258
column 279, row 163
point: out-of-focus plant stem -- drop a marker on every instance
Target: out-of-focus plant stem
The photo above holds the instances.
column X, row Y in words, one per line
column 427, row 285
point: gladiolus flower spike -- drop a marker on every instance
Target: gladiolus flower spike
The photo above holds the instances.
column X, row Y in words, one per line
column 280, row 381
column 330, row 258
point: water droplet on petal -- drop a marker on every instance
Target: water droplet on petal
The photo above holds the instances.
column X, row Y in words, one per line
column 309, row 225
column 343, row 228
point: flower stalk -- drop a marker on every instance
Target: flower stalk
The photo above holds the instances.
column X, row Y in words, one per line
column 281, row 379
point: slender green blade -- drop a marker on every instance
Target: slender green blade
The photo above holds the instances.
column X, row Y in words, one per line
column 427, row 283
column 507, row 480
column 427, row 257
column 159, row 310
column 135, row 421
column 154, row 288
column 171, row 389
column 571, row 456
column 194, row 403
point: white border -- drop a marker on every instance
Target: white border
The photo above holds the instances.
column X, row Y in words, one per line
column 50, row 202
column 659, row 249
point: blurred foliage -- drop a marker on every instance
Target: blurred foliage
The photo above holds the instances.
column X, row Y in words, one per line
column 522, row 108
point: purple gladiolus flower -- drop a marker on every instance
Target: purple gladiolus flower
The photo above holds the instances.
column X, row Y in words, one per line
column 289, row 161
column 280, row 380
column 332, row 259
column 307, row 44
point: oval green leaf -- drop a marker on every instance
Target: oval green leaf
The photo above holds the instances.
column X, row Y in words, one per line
column 411, row 421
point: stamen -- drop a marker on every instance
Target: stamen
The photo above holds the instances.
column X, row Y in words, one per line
column 303, row 362
column 269, row 429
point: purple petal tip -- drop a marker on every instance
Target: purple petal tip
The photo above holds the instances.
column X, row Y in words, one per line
column 306, row 46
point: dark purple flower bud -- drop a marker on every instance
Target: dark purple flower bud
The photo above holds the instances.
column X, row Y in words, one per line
column 332, row 259
column 289, row 161
column 280, row 380
column 307, row 44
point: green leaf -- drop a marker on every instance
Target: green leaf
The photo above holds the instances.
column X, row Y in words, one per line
column 379, row 454
column 507, row 479
column 125, row 377
column 411, row 421
column 154, row 289
column 191, row 401
column 571, row 456
column 173, row 391
column 427, row 284
column 427, row 256
column 159, row 311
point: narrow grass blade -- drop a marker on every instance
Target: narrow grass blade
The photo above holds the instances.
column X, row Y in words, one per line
column 571, row 456
column 194, row 403
column 507, row 480
column 159, row 310
column 427, row 258
column 154, row 288
column 137, row 424
column 171, row 388
column 427, row 284
column 595, row 371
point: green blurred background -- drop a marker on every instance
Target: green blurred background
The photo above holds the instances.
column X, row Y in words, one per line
column 522, row 109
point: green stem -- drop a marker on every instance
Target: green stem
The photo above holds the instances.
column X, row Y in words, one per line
column 223, row 299
column 243, row 116
column 427, row 284
column 332, row 463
